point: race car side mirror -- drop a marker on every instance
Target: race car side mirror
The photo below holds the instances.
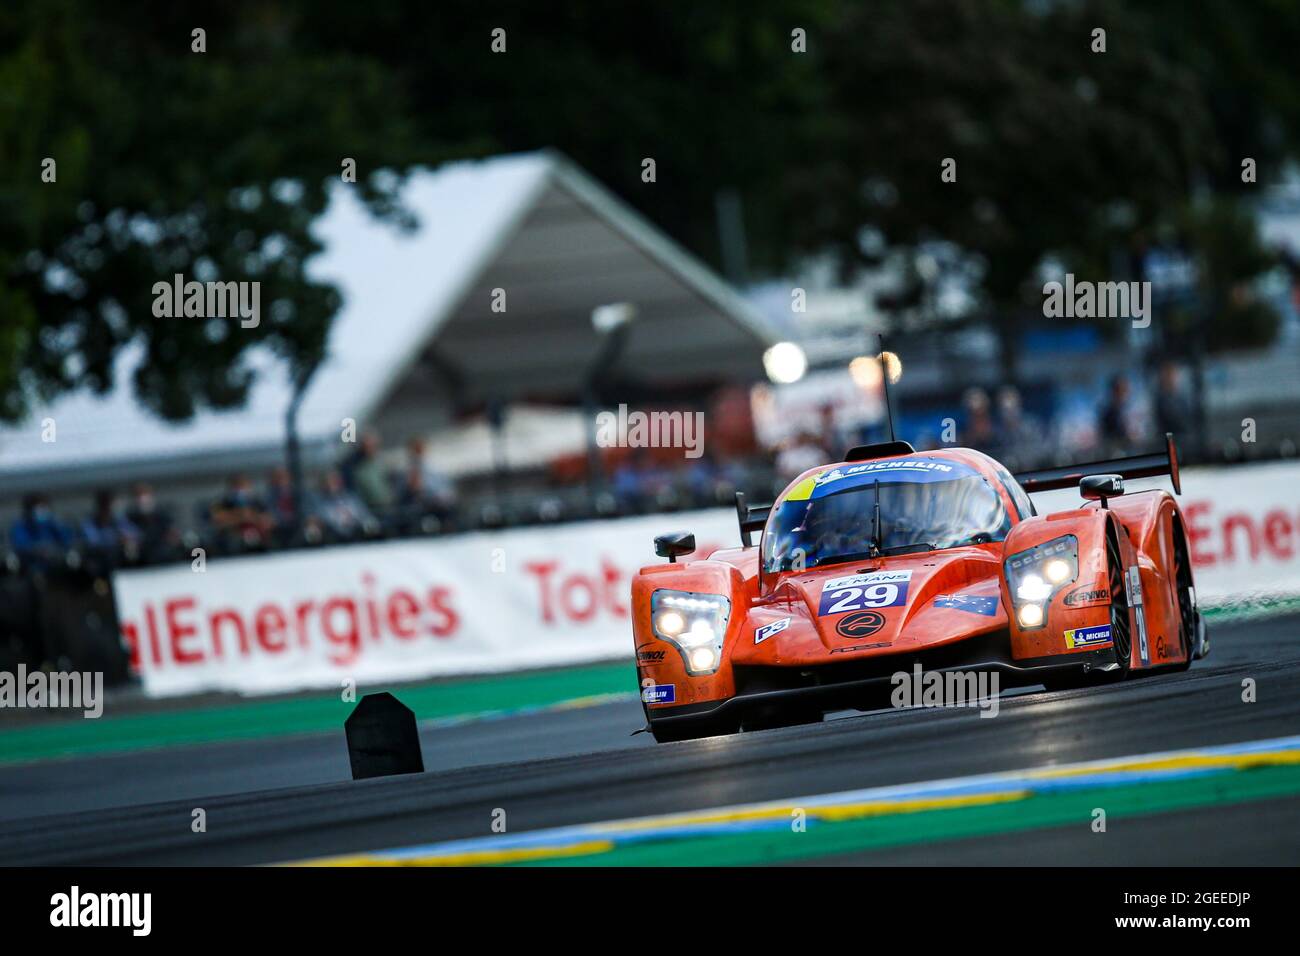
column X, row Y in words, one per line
column 1101, row 487
column 674, row 544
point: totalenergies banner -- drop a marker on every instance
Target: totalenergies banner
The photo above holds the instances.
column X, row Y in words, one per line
column 472, row 603
column 536, row 597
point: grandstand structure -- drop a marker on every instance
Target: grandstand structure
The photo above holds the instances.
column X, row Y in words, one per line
column 487, row 300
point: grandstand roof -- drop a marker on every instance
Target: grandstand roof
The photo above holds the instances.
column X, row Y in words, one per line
column 533, row 224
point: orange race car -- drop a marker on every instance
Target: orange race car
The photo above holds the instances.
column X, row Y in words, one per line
column 892, row 559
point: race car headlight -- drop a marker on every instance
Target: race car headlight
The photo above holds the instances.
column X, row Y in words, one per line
column 1035, row 575
column 695, row 624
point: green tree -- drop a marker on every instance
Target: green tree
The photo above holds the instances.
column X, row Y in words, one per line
column 1057, row 149
column 211, row 164
column 214, row 164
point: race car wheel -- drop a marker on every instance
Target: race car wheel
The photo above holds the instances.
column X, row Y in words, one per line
column 1120, row 631
column 1190, row 625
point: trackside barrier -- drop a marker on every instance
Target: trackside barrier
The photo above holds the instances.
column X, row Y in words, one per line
column 534, row 597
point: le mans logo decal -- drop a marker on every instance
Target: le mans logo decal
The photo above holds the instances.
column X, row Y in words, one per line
column 861, row 624
column 767, row 630
column 858, row 592
column 1088, row 636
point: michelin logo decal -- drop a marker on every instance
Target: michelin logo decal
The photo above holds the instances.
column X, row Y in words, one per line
column 1088, row 636
column 659, row 693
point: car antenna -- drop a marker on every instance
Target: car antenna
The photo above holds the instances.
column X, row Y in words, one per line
column 884, row 380
column 875, row 534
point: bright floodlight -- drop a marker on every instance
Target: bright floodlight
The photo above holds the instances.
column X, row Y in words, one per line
column 785, row 363
column 865, row 370
column 895, row 366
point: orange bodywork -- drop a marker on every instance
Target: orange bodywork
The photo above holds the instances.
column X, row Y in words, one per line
column 958, row 608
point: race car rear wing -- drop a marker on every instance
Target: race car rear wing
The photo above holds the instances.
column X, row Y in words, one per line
column 1135, row 466
column 751, row 517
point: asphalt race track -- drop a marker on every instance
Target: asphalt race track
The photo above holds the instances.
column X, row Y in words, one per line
column 290, row 799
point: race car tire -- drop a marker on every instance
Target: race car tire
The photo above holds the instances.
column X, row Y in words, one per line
column 1191, row 625
column 1121, row 631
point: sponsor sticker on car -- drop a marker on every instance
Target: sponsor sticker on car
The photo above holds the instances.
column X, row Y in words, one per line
column 1133, row 585
column 860, row 624
column 649, row 654
column 912, row 469
column 1097, row 636
column 1087, row 596
column 659, row 693
column 767, row 630
column 859, row 592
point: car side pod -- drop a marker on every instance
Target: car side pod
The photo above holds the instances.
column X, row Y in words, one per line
column 383, row 739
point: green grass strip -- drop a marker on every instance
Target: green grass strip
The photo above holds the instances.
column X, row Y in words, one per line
column 1250, row 608
column 315, row 713
column 1052, row 809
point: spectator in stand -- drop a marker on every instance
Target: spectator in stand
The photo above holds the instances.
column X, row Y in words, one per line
column 1174, row 411
column 106, row 529
column 279, row 499
column 799, row 454
column 626, row 482
column 240, row 516
column 978, row 430
column 343, row 513
column 158, row 535
column 640, row 482
column 364, row 474
column 37, row 536
column 1021, row 438
column 704, row 480
column 833, row 441
column 423, row 491
column 1118, row 421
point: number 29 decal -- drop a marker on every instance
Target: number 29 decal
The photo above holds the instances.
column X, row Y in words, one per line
column 859, row 592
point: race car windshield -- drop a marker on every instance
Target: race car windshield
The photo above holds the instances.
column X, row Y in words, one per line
column 833, row 518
